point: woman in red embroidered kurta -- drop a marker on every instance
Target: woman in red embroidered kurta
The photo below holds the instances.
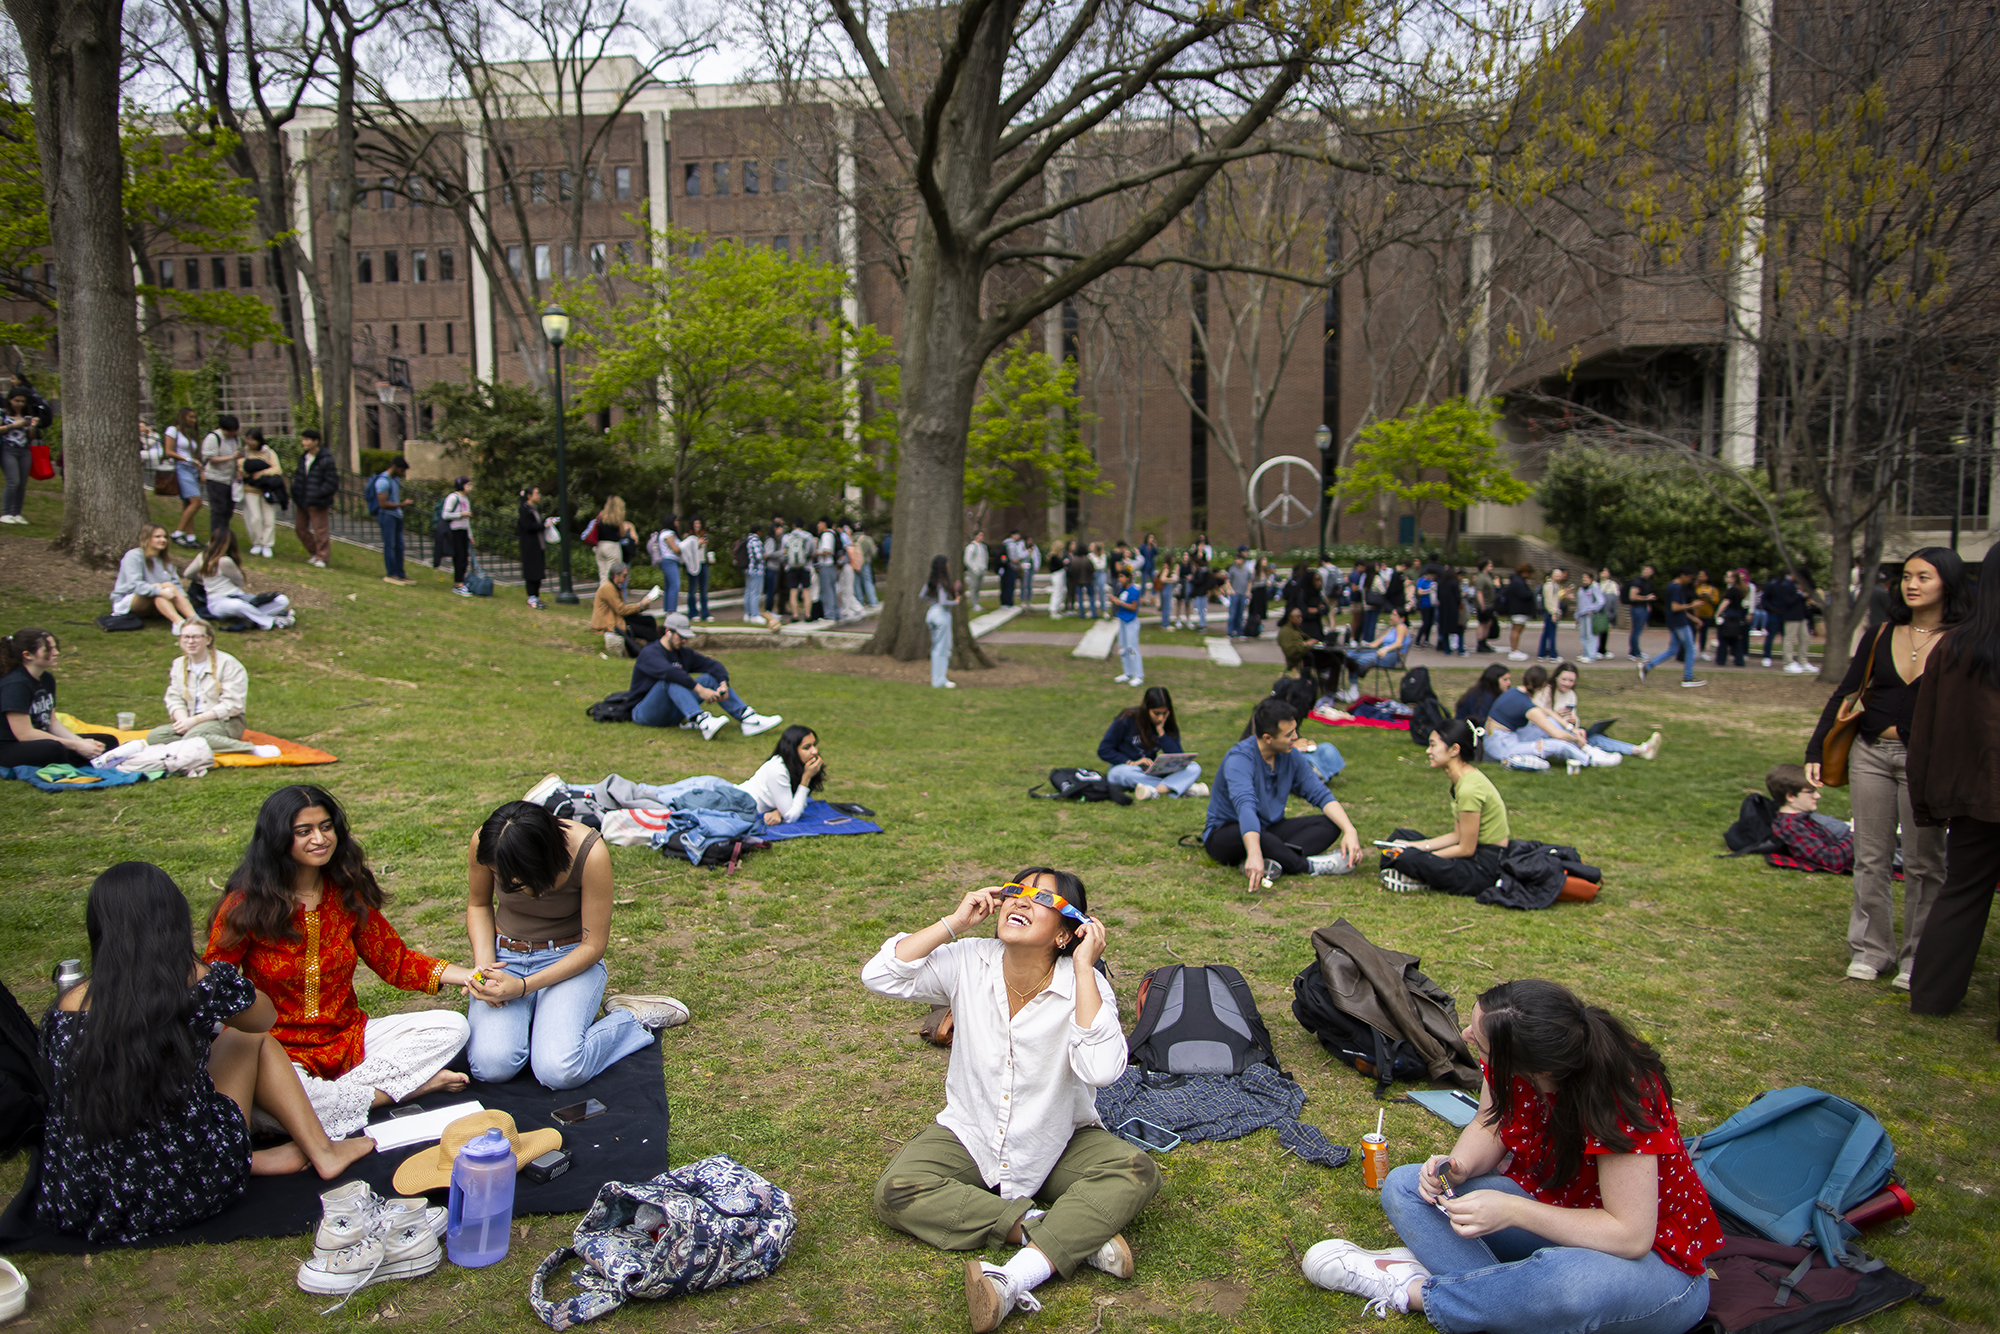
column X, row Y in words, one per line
column 299, row 912
column 1568, row 1204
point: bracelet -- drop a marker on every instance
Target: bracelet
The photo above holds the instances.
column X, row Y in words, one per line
column 947, row 928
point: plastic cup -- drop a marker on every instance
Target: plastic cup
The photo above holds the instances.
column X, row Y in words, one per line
column 127, row 721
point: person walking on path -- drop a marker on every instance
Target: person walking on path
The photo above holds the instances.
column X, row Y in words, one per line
column 826, row 550
column 389, row 505
column 1785, row 620
column 1927, row 601
column 528, row 531
column 1239, row 592
column 1680, row 629
column 178, row 447
column 1486, row 605
column 942, row 592
column 1640, row 597
column 1589, row 605
column 221, row 451
column 694, row 564
column 1518, row 605
column 864, row 568
column 975, row 568
column 315, row 483
column 458, row 524
column 1554, row 589
column 1125, row 606
column 1953, row 770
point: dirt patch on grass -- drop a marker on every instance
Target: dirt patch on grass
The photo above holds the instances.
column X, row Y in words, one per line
column 1007, row 673
column 34, row 564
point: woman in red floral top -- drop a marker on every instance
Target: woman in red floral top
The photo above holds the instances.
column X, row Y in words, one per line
column 299, row 911
column 1568, row 1203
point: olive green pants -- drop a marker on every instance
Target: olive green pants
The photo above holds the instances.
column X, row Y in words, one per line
column 932, row 1190
column 224, row 736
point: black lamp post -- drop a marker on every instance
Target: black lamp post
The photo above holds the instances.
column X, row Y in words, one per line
column 1323, row 437
column 555, row 327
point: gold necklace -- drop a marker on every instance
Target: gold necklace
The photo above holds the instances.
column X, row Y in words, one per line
column 1031, row 992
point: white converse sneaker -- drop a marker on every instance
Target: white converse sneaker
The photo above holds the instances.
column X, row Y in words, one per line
column 1329, row 863
column 989, row 1296
column 407, row 1252
column 353, row 1213
column 1402, row 882
column 653, row 1012
column 1526, row 762
column 1603, row 759
column 757, row 723
column 1197, row 789
column 711, row 723
column 1144, row 792
column 1114, row 1257
column 1383, row 1277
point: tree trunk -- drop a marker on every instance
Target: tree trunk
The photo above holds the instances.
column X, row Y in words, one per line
column 336, row 314
column 73, row 49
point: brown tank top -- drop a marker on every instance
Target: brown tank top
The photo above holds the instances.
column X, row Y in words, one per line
column 556, row 915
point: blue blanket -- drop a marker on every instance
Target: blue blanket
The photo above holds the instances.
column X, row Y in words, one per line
column 97, row 778
column 818, row 818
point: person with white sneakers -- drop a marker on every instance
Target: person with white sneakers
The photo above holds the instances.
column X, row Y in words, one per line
column 976, row 562
column 1035, row 1035
column 673, row 682
column 1246, row 824
column 1521, row 734
column 1568, row 1204
column 942, row 592
column 1125, row 607
column 1137, row 738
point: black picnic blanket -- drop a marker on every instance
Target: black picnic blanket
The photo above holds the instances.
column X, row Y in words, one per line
column 627, row 1143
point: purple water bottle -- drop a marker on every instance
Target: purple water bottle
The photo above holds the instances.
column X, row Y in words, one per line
column 481, row 1208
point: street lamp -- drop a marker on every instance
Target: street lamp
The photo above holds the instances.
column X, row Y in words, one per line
column 555, row 327
column 1323, row 437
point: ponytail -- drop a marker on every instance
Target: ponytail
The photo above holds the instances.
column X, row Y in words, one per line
column 18, row 646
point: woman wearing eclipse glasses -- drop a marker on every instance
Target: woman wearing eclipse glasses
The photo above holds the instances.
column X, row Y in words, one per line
column 1017, row 1156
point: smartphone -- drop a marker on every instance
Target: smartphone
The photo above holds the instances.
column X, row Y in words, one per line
column 406, row 1109
column 1384, row 843
column 1147, row 1135
column 578, row 1111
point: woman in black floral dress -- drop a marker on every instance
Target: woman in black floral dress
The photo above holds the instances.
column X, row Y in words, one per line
column 158, row 1061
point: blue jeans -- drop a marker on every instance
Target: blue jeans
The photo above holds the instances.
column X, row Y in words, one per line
column 938, row 618
column 1128, row 650
column 864, row 586
column 1614, row 745
column 1680, row 642
column 1238, row 604
column 1503, row 745
column 1639, row 617
column 1131, row 775
column 392, row 543
column 753, row 601
column 1547, row 648
column 697, row 585
column 549, row 1031
column 1100, row 592
column 829, row 593
column 670, row 580
column 1167, row 595
column 667, row 704
column 1027, row 588
column 1514, row 1282
column 771, row 588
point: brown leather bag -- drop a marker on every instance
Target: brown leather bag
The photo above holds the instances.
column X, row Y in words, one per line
column 1833, row 751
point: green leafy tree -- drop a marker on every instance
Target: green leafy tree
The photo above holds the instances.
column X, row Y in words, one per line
column 1027, row 432
column 1446, row 453
column 734, row 354
column 1624, row 510
column 24, row 225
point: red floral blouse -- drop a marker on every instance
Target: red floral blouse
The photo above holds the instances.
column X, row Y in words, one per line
column 311, row 981
column 1687, row 1232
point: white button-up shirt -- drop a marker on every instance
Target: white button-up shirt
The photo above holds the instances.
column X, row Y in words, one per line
column 1017, row 1088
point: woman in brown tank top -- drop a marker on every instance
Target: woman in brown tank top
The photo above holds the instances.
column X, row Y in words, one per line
column 538, row 911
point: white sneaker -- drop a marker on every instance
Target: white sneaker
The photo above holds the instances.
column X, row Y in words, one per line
column 989, row 1296
column 407, row 1252
column 1517, row 656
column 1603, row 759
column 1401, row 882
column 353, row 1213
column 1693, row 685
column 266, row 752
column 1122, row 679
column 1197, row 789
column 1383, row 1277
column 1767, row 662
column 757, row 723
column 1527, row 763
column 1329, row 863
column 1651, row 749
column 318, row 562
column 1902, row 982
column 1114, row 1257
column 951, row 685
column 1144, row 792
column 1861, row 972
column 653, row 1012
column 711, row 723
column 13, row 1292
column 1793, row 669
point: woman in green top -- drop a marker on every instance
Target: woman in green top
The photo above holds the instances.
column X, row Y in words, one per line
column 1467, row 860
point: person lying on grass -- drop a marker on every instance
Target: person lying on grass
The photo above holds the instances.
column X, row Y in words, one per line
column 299, row 911
column 784, row 783
column 1467, row 860
column 158, row 1061
column 1569, row 1203
column 1017, row 1157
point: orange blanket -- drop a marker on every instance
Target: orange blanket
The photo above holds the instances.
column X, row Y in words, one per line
column 289, row 752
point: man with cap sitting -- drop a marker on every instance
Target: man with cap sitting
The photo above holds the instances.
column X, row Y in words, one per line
column 672, row 682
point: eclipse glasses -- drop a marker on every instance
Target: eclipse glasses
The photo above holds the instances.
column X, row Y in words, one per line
column 1048, row 898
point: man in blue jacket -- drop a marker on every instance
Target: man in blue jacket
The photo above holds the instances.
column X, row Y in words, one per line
column 1246, row 811
column 673, row 682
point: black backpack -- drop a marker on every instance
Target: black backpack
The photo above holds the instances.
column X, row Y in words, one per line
column 1360, row 1044
column 615, row 707
column 1426, row 716
column 26, row 1086
column 1751, row 834
column 1415, row 686
column 739, row 555
column 1080, row 785
column 1199, row 1020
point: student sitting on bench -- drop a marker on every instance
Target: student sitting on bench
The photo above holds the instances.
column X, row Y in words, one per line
column 1018, row 1156
column 1138, row 737
column 1467, row 860
column 1246, row 812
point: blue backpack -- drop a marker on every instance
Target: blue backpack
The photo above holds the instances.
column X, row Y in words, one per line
column 1792, row 1164
column 374, row 501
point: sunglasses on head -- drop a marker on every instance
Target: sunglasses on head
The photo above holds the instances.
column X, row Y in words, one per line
column 1048, row 898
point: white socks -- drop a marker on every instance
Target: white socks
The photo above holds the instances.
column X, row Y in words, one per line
column 1028, row 1270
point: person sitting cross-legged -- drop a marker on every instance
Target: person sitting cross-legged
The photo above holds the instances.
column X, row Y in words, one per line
column 1018, row 1156
column 1467, row 860
column 1246, row 812
column 673, row 682
column 1137, row 738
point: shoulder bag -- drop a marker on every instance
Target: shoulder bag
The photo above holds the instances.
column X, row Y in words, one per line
column 1833, row 751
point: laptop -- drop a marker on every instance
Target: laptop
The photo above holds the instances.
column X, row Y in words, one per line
column 1170, row 764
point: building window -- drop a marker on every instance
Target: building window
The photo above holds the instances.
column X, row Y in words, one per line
column 514, row 261
column 420, row 266
column 388, row 187
column 624, row 252
column 444, row 266
column 218, row 273
column 392, row 267
column 395, row 338
column 780, row 171
column 424, row 418
column 364, row 267
column 749, row 178
column 719, row 176
column 538, row 188
column 621, row 182
column 692, row 188
column 167, row 277
column 695, row 251
column 423, row 340
column 569, row 260
column 597, row 259
column 565, row 185
column 542, row 269
column 448, row 339
column 246, row 275
column 413, row 188
column 594, row 186
column 603, row 420
column 193, row 270
column 783, row 245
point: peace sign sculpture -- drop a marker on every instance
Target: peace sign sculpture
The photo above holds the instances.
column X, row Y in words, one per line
column 1297, row 501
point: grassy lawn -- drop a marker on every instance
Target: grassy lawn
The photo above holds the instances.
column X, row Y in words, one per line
column 440, row 708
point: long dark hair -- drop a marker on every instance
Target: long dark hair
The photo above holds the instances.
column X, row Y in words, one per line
column 940, row 577
column 136, row 1056
column 1156, row 697
column 20, row 645
column 1602, row 1071
column 257, row 902
column 1070, row 886
column 1950, row 572
column 1974, row 646
column 525, row 848
column 222, row 544
column 787, row 750
column 1489, row 680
